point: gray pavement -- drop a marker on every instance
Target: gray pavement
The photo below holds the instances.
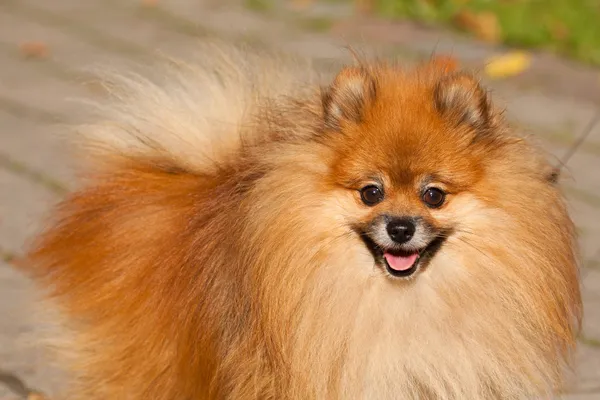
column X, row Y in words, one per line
column 552, row 101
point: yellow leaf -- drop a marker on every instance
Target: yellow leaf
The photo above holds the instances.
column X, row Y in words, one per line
column 508, row 65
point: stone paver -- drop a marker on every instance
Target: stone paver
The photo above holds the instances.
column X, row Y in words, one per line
column 23, row 203
column 41, row 147
column 553, row 102
column 20, row 78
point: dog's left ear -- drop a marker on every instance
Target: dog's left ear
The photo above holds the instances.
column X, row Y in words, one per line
column 461, row 99
column 347, row 98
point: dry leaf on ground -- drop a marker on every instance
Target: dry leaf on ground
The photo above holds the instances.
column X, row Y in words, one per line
column 559, row 30
column 483, row 25
column 34, row 50
column 508, row 64
column 36, row 396
column 364, row 6
column 301, row 4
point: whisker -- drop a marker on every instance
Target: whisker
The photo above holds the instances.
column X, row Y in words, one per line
column 462, row 240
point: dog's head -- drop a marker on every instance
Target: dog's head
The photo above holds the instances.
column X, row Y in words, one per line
column 411, row 148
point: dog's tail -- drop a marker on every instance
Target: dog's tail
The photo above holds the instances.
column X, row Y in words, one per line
column 191, row 115
column 128, row 255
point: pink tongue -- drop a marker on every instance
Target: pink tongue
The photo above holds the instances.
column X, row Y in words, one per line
column 399, row 263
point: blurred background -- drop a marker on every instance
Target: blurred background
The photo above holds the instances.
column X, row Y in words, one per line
column 541, row 59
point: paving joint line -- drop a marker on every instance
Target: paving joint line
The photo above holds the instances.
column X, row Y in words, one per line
column 30, row 113
column 92, row 35
column 18, row 168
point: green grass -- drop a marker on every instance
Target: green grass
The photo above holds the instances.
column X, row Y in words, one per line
column 568, row 27
column 592, row 342
column 7, row 256
column 317, row 24
column 41, row 178
column 259, row 5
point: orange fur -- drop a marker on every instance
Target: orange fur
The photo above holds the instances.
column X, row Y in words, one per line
column 210, row 252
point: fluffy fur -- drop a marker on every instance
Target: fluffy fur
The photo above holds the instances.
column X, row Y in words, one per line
column 214, row 250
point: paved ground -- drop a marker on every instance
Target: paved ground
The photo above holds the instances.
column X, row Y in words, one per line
column 553, row 101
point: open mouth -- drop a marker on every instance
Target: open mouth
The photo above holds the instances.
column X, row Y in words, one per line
column 401, row 263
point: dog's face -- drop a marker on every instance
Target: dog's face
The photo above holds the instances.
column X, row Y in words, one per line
column 406, row 160
column 400, row 229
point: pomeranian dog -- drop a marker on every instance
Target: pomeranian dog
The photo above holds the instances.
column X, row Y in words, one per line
column 246, row 232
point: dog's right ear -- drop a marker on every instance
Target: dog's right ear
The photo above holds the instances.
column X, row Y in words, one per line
column 460, row 98
column 347, row 98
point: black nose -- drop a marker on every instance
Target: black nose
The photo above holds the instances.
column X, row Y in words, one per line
column 401, row 230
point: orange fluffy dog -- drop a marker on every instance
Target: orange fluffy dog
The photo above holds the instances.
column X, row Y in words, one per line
column 244, row 233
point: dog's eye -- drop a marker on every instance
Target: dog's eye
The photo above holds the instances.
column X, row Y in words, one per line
column 371, row 195
column 433, row 197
